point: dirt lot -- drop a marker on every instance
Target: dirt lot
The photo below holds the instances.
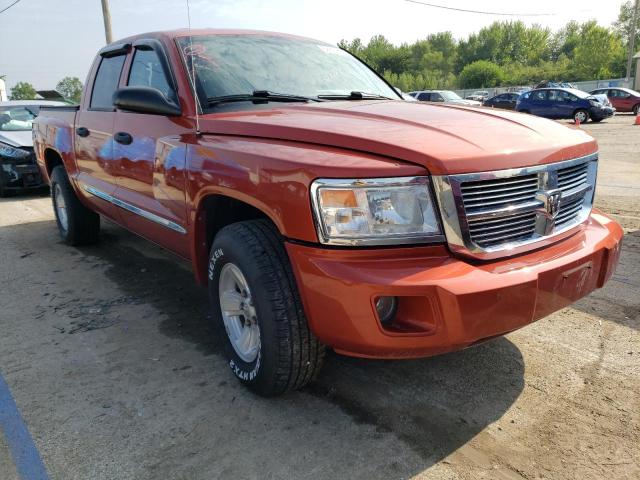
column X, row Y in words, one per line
column 111, row 361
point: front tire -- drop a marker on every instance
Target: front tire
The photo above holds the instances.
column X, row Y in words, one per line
column 581, row 116
column 76, row 223
column 257, row 309
column 636, row 109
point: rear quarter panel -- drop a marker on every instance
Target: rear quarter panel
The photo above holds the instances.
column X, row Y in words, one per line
column 53, row 130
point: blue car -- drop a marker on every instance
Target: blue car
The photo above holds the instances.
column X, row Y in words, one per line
column 564, row 103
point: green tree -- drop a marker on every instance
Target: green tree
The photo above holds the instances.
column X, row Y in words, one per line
column 599, row 53
column 481, row 73
column 70, row 88
column 23, row 91
column 622, row 25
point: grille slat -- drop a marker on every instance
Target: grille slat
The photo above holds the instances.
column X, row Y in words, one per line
column 510, row 236
column 498, row 183
column 482, row 200
column 505, row 199
column 504, row 224
column 576, row 181
column 504, row 233
column 528, row 186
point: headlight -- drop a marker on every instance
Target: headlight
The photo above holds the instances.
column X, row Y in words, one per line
column 13, row 153
column 595, row 103
column 377, row 211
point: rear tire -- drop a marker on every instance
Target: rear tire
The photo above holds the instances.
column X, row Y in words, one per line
column 636, row 109
column 581, row 115
column 251, row 285
column 77, row 224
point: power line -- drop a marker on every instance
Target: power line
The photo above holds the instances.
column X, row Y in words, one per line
column 481, row 12
column 7, row 8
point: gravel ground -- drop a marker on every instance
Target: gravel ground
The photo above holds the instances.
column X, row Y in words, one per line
column 110, row 358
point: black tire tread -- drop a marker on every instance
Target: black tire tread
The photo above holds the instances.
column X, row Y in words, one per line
column 84, row 224
column 301, row 355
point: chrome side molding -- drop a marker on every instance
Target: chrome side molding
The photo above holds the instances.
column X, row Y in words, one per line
column 133, row 209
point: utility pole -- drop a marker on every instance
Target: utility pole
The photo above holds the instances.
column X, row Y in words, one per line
column 106, row 15
column 632, row 41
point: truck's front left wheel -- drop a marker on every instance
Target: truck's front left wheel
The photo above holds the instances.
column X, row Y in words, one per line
column 257, row 308
column 77, row 224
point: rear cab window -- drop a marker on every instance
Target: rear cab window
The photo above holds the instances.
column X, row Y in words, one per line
column 106, row 82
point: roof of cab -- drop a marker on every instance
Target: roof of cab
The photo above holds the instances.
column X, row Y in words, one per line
column 196, row 32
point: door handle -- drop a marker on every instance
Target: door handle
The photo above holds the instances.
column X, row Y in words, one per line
column 123, row 137
column 82, row 131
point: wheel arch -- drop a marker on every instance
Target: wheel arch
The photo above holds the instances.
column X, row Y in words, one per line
column 52, row 158
column 214, row 211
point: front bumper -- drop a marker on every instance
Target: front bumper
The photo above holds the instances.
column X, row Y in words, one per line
column 446, row 303
column 600, row 113
column 20, row 176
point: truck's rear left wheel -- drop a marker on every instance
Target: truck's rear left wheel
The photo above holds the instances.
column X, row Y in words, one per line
column 257, row 309
column 76, row 223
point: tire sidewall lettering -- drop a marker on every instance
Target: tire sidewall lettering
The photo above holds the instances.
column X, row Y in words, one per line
column 213, row 260
column 244, row 374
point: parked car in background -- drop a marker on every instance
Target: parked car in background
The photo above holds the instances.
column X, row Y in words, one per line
column 18, row 168
column 479, row 96
column 504, row 100
column 405, row 95
column 622, row 99
column 564, row 103
column 323, row 216
column 518, row 89
column 443, row 96
column 547, row 84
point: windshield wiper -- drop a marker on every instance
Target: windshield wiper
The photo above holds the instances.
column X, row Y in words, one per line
column 259, row 96
column 355, row 95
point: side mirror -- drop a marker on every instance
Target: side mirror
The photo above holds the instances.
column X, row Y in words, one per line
column 145, row 100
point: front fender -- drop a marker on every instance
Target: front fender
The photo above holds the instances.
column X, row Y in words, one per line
column 272, row 176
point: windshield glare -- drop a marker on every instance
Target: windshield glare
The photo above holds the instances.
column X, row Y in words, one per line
column 239, row 64
column 450, row 95
column 17, row 118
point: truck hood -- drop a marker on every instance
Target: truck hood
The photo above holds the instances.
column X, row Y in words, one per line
column 20, row 138
column 445, row 139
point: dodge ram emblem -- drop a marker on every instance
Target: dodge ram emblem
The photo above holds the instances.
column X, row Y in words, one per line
column 548, row 211
column 552, row 200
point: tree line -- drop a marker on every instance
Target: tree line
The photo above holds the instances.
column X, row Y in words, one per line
column 69, row 87
column 503, row 54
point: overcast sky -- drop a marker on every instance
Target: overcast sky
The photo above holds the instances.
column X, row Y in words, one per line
column 42, row 41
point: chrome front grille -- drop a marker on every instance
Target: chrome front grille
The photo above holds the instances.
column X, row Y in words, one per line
column 490, row 214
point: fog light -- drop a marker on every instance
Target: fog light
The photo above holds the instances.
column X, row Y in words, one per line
column 386, row 308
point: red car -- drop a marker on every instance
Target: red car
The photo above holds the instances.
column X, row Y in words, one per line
column 622, row 99
column 318, row 207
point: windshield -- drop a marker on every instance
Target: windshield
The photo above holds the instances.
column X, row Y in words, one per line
column 578, row 93
column 17, row 118
column 449, row 95
column 241, row 64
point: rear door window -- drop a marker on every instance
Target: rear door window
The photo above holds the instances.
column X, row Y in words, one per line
column 147, row 71
column 106, row 82
column 540, row 96
column 424, row 96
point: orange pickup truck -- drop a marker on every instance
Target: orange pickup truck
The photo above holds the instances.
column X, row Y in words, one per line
column 318, row 207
